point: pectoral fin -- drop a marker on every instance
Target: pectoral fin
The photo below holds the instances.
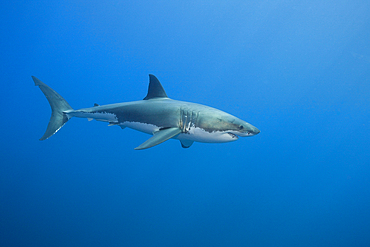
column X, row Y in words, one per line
column 159, row 137
column 186, row 143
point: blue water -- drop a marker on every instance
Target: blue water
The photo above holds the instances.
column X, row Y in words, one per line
column 297, row 70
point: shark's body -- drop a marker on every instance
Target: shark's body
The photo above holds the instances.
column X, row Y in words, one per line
column 157, row 114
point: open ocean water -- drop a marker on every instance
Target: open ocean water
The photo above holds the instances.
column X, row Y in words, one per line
column 297, row 70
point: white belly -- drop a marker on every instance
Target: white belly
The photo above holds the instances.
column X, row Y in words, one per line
column 194, row 134
column 143, row 127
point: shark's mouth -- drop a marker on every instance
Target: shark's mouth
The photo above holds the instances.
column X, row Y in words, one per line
column 232, row 135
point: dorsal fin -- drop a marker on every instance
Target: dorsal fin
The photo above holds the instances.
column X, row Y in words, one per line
column 155, row 89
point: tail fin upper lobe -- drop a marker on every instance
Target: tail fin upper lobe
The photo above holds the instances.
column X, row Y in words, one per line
column 58, row 105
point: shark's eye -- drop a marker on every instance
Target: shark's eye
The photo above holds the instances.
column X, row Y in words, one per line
column 241, row 127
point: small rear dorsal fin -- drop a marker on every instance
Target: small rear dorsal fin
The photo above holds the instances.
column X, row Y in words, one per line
column 155, row 89
column 96, row 104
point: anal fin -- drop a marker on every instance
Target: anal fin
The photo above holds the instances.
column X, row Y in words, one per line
column 159, row 137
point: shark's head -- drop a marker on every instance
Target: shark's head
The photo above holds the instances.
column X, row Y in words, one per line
column 223, row 127
column 242, row 128
column 237, row 127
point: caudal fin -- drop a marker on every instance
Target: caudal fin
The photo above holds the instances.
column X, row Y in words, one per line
column 58, row 105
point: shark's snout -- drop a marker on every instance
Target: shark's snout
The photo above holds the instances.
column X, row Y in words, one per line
column 256, row 131
column 249, row 130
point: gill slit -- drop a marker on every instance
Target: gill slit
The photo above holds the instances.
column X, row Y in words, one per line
column 188, row 119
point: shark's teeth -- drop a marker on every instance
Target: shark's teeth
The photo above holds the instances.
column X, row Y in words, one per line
column 233, row 135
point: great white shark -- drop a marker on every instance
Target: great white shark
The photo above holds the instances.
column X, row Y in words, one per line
column 156, row 114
